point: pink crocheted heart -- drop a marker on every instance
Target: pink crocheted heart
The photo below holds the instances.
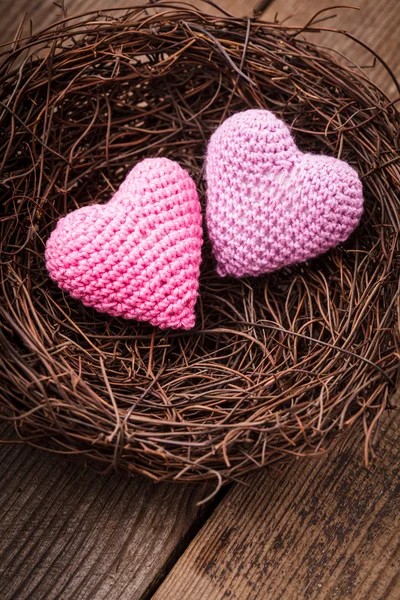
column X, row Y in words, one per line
column 269, row 204
column 138, row 256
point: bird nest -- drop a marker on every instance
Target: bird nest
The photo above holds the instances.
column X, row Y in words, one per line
column 277, row 367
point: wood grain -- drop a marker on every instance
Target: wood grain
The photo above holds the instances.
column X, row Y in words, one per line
column 324, row 530
column 377, row 23
column 70, row 534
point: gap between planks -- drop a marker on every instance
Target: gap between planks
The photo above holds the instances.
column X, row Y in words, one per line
column 326, row 529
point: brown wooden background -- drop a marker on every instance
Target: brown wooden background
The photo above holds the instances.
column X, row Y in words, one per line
column 318, row 530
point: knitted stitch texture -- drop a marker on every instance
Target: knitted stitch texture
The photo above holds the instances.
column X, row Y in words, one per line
column 269, row 204
column 138, row 256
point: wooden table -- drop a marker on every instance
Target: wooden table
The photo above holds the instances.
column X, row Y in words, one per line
column 319, row 529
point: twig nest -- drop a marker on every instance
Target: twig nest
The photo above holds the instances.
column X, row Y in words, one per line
column 278, row 366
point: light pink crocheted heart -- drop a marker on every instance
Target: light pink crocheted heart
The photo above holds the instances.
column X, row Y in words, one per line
column 270, row 205
column 138, row 256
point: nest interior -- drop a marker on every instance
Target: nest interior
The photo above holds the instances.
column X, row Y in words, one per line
column 278, row 366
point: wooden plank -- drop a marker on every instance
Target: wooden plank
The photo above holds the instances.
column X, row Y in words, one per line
column 324, row 530
column 69, row 533
column 376, row 23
